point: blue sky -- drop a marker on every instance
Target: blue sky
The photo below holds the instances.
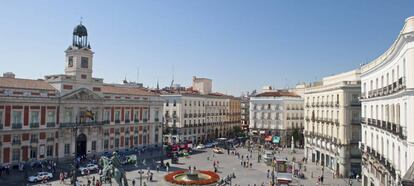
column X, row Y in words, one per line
column 241, row 45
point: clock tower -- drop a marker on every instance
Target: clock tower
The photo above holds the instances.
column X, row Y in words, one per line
column 79, row 56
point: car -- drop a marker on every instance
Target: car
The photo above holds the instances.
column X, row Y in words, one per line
column 208, row 145
column 40, row 176
column 217, row 150
column 200, row 146
column 90, row 167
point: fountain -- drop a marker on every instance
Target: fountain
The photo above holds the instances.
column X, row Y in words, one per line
column 194, row 177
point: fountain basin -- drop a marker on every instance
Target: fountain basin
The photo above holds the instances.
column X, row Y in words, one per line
column 185, row 177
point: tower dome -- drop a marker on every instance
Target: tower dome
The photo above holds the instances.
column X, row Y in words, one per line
column 80, row 36
column 80, row 30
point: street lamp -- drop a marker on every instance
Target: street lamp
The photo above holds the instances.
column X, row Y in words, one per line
column 140, row 172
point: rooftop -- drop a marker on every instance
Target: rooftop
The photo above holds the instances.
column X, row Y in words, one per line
column 277, row 94
column 111, row 89
column 17, row 83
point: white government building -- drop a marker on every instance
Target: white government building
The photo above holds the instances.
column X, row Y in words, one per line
column 388, row 112
column 332, row 123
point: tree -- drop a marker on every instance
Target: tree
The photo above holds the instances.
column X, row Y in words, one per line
column 237, row 131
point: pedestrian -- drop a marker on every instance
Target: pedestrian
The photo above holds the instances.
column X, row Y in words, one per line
column 194, row 168
column 268, row 171
column 251, row 165
column 322, row 179
column 166, row 168
column 93, row 180
column 133, row 182
column 158, row 168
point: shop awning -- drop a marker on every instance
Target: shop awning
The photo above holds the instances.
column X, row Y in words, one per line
column 276, row 139
column 268, row 138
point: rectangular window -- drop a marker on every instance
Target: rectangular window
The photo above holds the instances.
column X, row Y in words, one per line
column 70, row 61
column 93, row 145
column 67, row 149
column 1, row 117
column 84, row 62
column 33, row 153
column 135, row 139
column 16, row 155
column 117, row 116
column 49, row 150
column 127, row 117
column 34, row 117
column 106, row 144
column 51, row 117
column 116, row 143
column 17, row 117
column 126, row 141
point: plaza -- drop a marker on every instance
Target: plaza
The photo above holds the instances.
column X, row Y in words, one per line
column 228, row 164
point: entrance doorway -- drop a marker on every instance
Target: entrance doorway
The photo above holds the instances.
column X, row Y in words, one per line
column 81, row 145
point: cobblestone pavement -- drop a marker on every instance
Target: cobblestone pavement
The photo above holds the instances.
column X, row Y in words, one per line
column 229, row 164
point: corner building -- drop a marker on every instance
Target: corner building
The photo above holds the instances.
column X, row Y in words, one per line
column 199, row 117
column 276, row 113
column 387, row 110
column 54, row 117
column 332, row 123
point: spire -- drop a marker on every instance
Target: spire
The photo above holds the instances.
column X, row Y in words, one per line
column 158, row 85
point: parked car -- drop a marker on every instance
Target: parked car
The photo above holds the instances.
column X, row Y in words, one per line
column 208, row 145
column 200, row 146
column 90, row 167
column 40, row 176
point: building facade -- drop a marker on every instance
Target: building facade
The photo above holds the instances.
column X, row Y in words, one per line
column 195, row 117
column 245, row 112
column 387, row 110
column 276, row 113
column 332, row 123
column 74, row 112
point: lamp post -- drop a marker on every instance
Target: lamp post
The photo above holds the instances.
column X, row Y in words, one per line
column 140, row 172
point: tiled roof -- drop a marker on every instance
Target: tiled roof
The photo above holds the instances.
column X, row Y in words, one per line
column 17, row 83
column 277, row 94
column 110, row 89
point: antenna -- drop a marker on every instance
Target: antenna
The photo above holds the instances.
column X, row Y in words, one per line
column 81, row 18
column 137, row 74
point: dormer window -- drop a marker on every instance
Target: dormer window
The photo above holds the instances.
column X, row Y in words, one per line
column 70, row 61
column 84, row 62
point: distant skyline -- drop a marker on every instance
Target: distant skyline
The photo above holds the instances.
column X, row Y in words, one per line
column 240, row 45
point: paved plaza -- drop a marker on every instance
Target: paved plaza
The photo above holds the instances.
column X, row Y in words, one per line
column 228, row 164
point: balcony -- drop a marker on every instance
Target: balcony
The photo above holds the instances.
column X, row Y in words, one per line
column 84, row 124
column 156, row 119
column 50, row 139
column 336, row 121
column 145, row 120
column 117, row 121
column 105, row 122
column 394, row 87
column 127, row 121
column 337, row 104
column 16, row 126
column 34, row 140
column 355, row 103
column 50, row 124
column 34, row 125
column 16, row 142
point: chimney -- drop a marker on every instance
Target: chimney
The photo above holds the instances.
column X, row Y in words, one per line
column 9, row 75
